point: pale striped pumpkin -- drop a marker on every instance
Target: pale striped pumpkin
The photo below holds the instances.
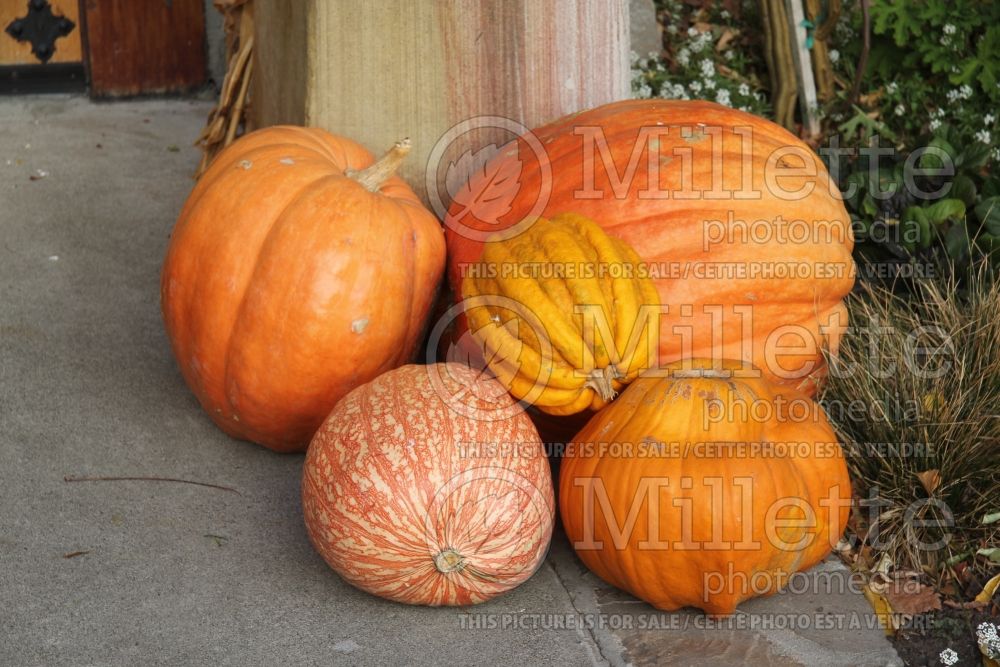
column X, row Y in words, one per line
column 429, row 486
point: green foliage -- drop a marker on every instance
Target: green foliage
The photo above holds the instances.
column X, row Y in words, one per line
column 932, row 63
column 931, row 90
column 935, row 201
column 864, row 126
column 897, row 17
column 931, row 85
column 959, row 37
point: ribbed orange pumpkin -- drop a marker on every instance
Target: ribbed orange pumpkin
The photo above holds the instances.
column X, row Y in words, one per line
column 703, row 488
column 706, row 195
column 429, row 486
column 299, row 268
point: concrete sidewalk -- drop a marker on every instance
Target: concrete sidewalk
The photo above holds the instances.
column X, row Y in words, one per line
column 168, row 573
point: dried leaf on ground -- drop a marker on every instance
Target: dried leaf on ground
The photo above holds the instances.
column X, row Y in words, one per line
column 911, row 597
column 930, row 479
column 728, row 35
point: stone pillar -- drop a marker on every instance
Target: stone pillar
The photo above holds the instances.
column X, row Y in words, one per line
column 380, row 70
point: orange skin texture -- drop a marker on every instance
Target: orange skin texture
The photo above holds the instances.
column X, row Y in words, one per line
column 721, row 541
column 287, row 283
column 672, row 232
column 389, row 484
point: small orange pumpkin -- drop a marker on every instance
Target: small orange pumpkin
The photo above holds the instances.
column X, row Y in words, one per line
column 299, row 268
column 704, row 487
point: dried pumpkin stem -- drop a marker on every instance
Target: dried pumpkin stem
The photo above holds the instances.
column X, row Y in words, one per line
column 694, row 373
column 373, row 177
column 600, row 381
column 449, row 560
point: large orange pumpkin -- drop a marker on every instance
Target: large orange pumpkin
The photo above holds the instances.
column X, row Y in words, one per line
column 299, row 268
column 703, row 487
column 429, row 486
column 739, row 219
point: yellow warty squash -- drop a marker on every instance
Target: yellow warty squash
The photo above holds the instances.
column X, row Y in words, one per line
column 565, row 314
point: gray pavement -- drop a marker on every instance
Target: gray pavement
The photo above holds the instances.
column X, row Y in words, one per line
column 177, row 574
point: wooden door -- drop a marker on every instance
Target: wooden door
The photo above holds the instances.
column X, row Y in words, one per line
column 145, row 46
column 40, row 45
column 66, row 49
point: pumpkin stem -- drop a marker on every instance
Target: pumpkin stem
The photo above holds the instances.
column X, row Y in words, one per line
column 374, row 176
column 600, row 381
column 695, row 373
column 448, row 561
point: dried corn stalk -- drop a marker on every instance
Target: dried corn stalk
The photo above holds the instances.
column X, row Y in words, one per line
column 822, row 65
column 225, row 119
column 778, row 39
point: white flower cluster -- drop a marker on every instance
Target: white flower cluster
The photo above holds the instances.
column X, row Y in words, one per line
column 640, row 88
column 699, row 40
column 963, row 93
column 843, row 28
column 697, row 53
column 989, row 119
column 936, row 115
column 891, row 87
column 989, row 640
column 948, row 657
column 983, row 136
column 834, row 55
column 673, row 91
column 949, row 30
